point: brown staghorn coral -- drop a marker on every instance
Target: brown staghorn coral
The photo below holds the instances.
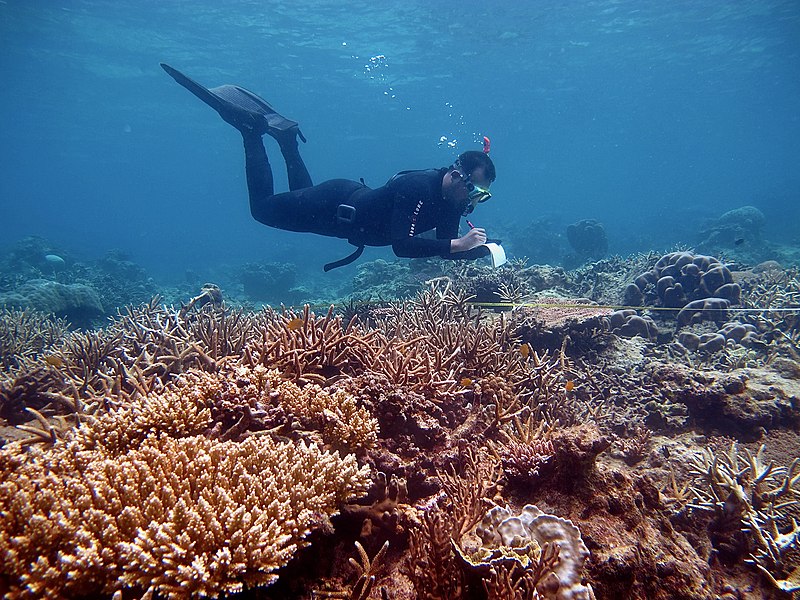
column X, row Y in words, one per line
column 113, row 508
column 27, row 333
column 430, row 563
column 306, row 347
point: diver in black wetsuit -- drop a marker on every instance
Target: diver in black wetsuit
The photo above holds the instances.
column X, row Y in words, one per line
column 410, row 203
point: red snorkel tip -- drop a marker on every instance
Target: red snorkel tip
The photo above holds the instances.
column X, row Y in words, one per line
column 487, row 145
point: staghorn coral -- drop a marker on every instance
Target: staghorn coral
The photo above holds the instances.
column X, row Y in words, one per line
column 430, row 563
column 507, row 584
column 636, row 447
column 223, row 333
column 466, row 489
column 27, row 333
column 366, row 572
column 306, row 347
column 747, row 501
column 115, row 507
column 35, row 387
column 770, row 299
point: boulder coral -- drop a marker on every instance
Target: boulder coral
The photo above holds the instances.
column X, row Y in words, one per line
column 76, row 302
column 698, row 287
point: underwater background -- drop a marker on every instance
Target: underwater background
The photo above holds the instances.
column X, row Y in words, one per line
column 191, row 407
column 651, row 118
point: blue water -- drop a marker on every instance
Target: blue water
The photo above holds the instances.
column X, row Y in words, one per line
column 646, row 115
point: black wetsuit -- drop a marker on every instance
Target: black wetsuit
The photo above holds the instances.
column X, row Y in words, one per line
column 392, row 215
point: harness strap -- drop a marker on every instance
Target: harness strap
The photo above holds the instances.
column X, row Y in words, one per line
column 344, row 261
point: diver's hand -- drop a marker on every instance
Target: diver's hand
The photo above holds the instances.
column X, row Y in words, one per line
column 472, row 239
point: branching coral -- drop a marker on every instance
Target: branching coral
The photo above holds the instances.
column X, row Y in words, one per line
column 307, row 347
column 366, row 572
column 467, row 490
column 746, row 495
column 430, row 563
column 636, row 447
column 221, row 332
column 524, row 449
column 26, row 333
column 135, row 499
column 768, row 301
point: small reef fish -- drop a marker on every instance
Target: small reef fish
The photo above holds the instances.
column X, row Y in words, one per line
column 294, row 324
column 569, row 386
column 54, row 361
column 466, row 382
column 525, row 350
column 739, row 242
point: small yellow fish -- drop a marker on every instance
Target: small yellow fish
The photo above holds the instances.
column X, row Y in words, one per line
column 294, row 324
column 569, row 386
column 53, row 360
column 525, row 350
column 466, row 382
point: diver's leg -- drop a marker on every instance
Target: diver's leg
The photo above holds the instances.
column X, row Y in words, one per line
column 292, row 211
column 260, row 185
column 310, row 209
column 296, row 170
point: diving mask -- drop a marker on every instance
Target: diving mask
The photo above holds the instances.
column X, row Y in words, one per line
column 475, row 193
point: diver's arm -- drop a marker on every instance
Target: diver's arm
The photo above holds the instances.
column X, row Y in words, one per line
column 472, row 239
column 417, row 247
column 468, row 246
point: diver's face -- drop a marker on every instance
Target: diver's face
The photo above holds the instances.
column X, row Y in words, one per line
column 462, row 188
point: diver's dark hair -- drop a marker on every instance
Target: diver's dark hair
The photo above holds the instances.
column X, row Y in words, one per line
column 472, row 159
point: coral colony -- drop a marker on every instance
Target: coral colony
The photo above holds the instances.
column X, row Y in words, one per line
column 546, row 446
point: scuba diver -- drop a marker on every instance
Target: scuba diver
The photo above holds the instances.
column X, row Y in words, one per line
column 410, row 203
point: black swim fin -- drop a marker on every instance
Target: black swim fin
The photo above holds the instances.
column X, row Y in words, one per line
column 241, row 108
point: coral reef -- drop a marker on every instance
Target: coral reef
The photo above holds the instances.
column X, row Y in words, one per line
column 430, row 448
column 746, row 502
